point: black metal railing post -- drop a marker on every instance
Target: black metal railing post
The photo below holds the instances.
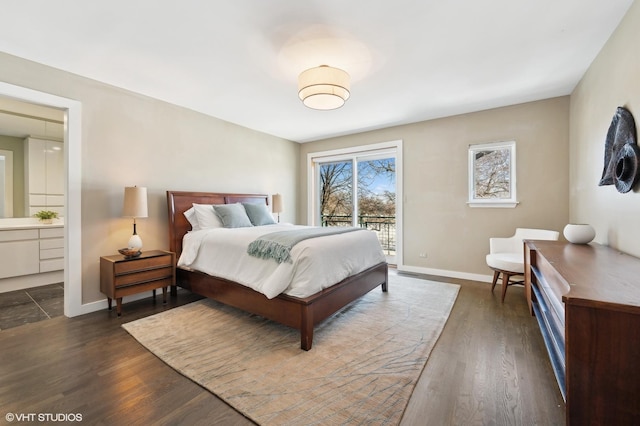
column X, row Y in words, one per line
column 383, row 226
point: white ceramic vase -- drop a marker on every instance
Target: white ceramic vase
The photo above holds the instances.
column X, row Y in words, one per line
column 579, row 233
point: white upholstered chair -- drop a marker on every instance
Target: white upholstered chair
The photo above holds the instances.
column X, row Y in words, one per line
column 506, row 255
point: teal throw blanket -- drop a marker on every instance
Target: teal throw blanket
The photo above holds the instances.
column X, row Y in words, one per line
column 278, row 245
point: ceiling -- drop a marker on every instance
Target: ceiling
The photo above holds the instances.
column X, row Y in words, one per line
column 238, row 60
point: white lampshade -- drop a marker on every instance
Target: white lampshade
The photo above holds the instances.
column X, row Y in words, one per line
column 135, row 205
column 324, row 87
column 135, row 202
column 276, row 201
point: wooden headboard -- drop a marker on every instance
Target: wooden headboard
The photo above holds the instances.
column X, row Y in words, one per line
column 179, row 202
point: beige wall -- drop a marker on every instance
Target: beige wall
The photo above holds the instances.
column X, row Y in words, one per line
column 129, row 139
column 612, row 80
column 437, row 220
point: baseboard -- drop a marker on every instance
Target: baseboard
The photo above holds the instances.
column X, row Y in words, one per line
column 446, row 273
column 29, row 281
column 99, row 305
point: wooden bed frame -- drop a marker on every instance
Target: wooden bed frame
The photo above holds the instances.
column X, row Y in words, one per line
column 300, row 313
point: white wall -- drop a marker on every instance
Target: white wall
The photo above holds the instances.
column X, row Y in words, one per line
column 612, row 80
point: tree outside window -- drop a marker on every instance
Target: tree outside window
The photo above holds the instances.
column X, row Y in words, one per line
column 376, row 189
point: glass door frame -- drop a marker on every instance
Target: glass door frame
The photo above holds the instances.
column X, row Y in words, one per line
column 364, row 152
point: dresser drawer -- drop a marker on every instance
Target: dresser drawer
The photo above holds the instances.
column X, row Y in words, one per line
column 135, row 265
column 143, row 276
column 147, row 286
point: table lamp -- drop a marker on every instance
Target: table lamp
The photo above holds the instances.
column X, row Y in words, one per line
column 277, row 207
column 135, row 205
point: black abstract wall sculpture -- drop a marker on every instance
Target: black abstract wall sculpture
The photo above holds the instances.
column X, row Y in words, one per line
column 621, row 153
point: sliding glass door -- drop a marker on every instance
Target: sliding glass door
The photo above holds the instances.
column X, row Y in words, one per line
column 359, row 189
column 336, row 193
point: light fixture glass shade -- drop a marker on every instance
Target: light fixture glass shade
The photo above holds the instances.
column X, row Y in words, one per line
column 135, row 205
column 324, row 87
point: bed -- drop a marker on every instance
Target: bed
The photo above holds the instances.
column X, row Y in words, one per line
column 301, row 313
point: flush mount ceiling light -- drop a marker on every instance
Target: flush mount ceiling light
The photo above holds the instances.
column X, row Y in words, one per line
column 323, row 87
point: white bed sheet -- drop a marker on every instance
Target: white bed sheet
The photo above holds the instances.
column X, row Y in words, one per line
column 317, row 263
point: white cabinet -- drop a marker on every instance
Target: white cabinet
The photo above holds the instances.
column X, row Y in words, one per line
column 20, row 252
column 44, row 175
column 54, row 162
column 35, row 166
column 31, row 257
column 51, row 249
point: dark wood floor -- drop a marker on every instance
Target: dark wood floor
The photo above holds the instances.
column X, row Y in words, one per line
column 489, row 367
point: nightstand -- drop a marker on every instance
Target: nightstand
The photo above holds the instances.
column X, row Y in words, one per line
column 151, row 270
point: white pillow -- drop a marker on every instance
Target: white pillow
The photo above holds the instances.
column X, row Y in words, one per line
column 207, row 217
column 192, row 218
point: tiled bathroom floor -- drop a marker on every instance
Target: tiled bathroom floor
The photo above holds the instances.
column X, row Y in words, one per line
column 31, row 305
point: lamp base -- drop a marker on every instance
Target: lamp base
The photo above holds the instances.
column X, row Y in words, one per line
column 135, row 242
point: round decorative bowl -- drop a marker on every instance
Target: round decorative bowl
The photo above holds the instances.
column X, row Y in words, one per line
column 579, row 233
column 129, row 252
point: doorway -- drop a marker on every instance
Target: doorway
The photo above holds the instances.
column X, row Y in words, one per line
column 359, row 187
column 72, row 174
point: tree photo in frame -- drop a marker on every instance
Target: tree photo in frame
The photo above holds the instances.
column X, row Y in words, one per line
column 492, row 175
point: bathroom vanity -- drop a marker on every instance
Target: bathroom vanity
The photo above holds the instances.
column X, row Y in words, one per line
column 32, row 253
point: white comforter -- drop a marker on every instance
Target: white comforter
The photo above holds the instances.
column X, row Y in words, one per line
column 317, row 263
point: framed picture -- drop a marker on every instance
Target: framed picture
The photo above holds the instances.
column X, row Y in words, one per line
column 492, row 175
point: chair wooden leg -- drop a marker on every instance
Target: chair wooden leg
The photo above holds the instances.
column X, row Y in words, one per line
column 505, row 283
column 496, row 274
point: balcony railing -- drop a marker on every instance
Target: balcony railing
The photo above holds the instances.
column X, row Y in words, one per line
column 383, row 226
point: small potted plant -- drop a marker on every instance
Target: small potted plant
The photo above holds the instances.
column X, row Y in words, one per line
column 46, row 216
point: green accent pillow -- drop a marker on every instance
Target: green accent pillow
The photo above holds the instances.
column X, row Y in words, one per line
column 232, row 215
column 259, row 214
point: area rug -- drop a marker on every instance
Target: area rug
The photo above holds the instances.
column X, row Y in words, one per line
column 362, row 369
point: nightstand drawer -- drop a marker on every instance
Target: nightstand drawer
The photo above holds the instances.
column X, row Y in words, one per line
column 143, row 276
column 135, row 265
column 148, row 286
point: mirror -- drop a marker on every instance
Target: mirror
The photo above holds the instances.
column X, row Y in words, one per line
column 6, row 184
column 19, row 121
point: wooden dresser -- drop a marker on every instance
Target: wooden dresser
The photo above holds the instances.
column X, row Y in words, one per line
column 586, row 299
